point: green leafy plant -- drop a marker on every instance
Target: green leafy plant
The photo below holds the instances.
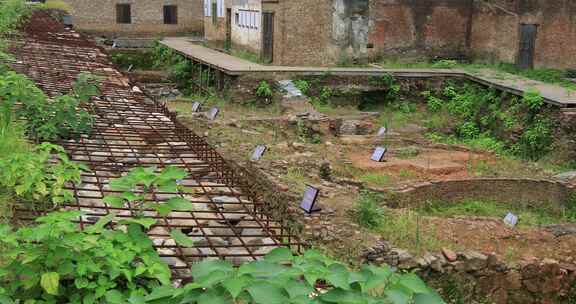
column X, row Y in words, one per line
column 40, row 175
column 48, row 119
column 12, row 14
column 264, row 90
column 138, row 187
column 367, row 211
column 445, row 64
column 55, row 262
column 302, row 85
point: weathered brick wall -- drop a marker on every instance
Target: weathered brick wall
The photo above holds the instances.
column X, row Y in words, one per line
column 495, row 31
column 428, row 27
column 216, row 32
column 147, row 17
column 302, row 32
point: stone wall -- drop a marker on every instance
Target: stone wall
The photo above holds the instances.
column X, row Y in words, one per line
column 513, row 191
column 484, row 277
column 147, row 17
column 496, row 25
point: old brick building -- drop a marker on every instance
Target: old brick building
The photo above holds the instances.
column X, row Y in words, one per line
column 137, row 17
column 323, row 32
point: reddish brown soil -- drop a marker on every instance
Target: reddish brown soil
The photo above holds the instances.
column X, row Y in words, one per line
column 432, row 164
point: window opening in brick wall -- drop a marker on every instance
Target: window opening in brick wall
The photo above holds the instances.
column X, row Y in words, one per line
column 170, row 14
column 123, row 13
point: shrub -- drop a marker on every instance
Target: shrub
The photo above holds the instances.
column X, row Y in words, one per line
column 264, row 90
column 367, row 211
column 49, row 119
column 138, row 186
column 303, row 86
column 54, row 262
column 39, row 175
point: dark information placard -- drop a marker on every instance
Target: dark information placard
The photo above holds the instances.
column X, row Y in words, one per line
column 195, row 106
column 378, row 154
column 381, row 132
column 213, row 113
column 309, row 200
column 258, row 152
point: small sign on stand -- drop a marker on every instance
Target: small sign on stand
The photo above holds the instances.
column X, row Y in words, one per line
column 310, row 199
column 195, row 107
column 381, row 132
column 213, row 113
column 511, row 219
column 258, row 152
column 378, row 154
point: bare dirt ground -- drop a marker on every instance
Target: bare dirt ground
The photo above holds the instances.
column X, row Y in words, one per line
column 411, row 158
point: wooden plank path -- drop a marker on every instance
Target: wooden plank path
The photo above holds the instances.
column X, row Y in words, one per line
column 231, row 65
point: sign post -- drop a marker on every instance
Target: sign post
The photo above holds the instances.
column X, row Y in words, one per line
column 378, row 155
column 308, row 203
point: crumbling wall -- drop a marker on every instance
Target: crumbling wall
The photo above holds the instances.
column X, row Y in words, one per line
column 147, row 17
column 350, row 27
column 496, row 25
column 420, row 27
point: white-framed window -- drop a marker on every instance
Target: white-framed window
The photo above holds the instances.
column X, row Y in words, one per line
column 207, row 8
column 220, row 8
column 248, row 19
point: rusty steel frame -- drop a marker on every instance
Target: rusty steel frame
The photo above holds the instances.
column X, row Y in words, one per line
column 131, row 130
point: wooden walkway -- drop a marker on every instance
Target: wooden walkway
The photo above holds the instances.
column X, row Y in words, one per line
column 514, row 84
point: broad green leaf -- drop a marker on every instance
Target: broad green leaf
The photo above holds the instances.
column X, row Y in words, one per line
column 297, row 289
column 214, row 297
column 234, row 285
column 89, row 298
column 341, row 296
column 160, row 293
column 174, row 173
column 413, row 283
column 397, row 296
column 279, row 255
column 428, row 298
column 339, row 276
column 131, row 197
column 180, row 204
column 103, row 221
column 181, row 239
column 145, row 222
column 114, row 297
column 204, row 268
column 114, row 201
column 261, row 269
column 50, row 282
column 212, row 279
column 5, row 300
column 162, row 209
column 265, row 293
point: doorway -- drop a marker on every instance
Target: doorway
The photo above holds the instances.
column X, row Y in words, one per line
column 228, row 41
column 527, row 46
column 267, row 37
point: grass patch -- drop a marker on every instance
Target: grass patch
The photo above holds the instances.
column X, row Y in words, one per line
column 367, row 211
column 376, row 179
column 296, row 177
column 529, row 216
column 247, row 55
column 404, row 229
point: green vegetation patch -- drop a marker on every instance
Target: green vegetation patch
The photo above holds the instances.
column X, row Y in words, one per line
column 529, row 216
